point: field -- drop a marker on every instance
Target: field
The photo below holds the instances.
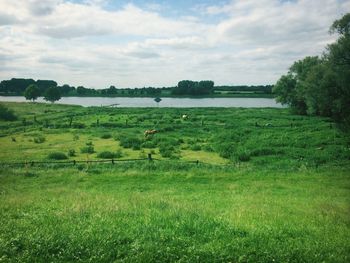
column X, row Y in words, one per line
column 270, row 186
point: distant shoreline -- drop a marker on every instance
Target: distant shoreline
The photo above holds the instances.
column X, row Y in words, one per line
column 230, row 95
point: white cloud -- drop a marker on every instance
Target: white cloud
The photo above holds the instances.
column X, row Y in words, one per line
column 240, row 42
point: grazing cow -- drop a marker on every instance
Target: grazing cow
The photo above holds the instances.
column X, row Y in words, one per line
column 150, row 132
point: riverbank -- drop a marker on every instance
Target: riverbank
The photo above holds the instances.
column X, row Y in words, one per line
column 223, row 95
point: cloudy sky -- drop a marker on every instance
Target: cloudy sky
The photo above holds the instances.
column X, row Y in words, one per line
column 136, row 43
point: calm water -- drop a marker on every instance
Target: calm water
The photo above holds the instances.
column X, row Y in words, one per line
column 166, row 102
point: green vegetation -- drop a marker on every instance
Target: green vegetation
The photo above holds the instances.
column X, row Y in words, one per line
column 32, row 92
column 270, row 186
column 194, row 88
column 110, row 155
column 321, row 86
column 7, row 114
column 52, row 94
column 57, row 156
column 185, row 88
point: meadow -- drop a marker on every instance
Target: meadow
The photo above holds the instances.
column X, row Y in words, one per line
column 270, row 186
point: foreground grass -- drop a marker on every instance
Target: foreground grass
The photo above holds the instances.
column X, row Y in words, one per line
column 150, row 213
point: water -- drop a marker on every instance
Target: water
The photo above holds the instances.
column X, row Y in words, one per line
column 166, row 102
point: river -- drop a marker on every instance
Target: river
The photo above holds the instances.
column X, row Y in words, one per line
column 166, row 102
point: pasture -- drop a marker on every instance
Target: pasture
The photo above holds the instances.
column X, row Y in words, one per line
column 270, row 186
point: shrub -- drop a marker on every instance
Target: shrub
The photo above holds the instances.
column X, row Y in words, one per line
column 208, row 148
column 130, row 142
column 71, row 152
column 39, row 139
column 195, row 147
column 106, row 136
column 57, row 156
column 7, row 114
column 118, row 154
column 106, row 155
column 149, row 144
column 87, row 149
column 167, row 151
column 226, row 150
column 243, row 156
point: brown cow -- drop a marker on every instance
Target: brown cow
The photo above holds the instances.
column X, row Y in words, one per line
column 150, row 132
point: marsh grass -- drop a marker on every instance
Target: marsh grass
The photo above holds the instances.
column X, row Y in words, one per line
column 278, row 193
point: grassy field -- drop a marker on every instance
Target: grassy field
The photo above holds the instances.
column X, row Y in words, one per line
column 270, row 186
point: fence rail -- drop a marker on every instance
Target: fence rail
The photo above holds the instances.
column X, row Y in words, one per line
column 74, row 162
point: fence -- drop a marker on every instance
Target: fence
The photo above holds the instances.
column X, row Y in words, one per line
column 75, row 162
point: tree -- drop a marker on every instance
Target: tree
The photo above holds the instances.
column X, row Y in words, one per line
column 81, row 90
column 189, row 87
column 290, row 89
column 52, row 94
column 32, row 92
column 112, row 90
column 15, row 86
column 321, row 86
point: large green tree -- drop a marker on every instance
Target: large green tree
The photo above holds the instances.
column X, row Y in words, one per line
column 32, row 92
column 291, row 88
column 52, row 94
column 321, row 86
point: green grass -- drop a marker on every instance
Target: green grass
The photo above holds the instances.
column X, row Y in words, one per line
column 187, row 214
column 268, row 193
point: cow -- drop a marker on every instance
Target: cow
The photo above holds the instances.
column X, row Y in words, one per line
column 150, row 132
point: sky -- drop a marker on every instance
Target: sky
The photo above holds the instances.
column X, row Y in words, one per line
column 98, row 43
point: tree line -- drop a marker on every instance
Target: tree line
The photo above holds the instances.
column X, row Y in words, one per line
column 245, row 88
column 321, row 85
column 17, row 87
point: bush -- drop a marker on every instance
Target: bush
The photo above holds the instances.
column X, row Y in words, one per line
column 208, row 148
column 226, row 150
column 39, row 139
column 57, row 156
column 167, row 151
column 195, row 147
column 243, row 156
column 118, row 154
column 7, row 114
column 106, row 155
column 130, row 142
column 149, row 144
column 106, row 136
column 87, row 149
column 71, row 152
